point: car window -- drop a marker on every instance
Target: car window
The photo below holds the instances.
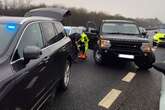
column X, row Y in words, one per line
column 31, row 37
column 50, row 32
column 60, row 30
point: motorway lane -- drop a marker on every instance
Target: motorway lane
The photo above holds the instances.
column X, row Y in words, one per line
column 90, row 83
column 160, row 54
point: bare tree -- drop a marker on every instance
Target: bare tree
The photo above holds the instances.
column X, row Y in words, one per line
column 28, row 3
column 5, row 4
column 1, row 5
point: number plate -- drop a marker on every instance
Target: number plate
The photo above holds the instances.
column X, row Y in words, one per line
column 126, row 56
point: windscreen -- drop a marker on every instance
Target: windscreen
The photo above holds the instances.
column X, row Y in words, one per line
column 7, row 32
column 119, row 28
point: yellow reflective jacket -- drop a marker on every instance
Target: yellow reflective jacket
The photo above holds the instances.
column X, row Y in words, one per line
column 84, row 38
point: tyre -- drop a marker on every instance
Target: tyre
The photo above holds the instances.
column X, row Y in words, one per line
column 65, row 81
column 145, row 63
column 98, row 57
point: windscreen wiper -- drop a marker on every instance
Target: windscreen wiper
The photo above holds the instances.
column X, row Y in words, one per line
column 127, row 33
column 113, row 33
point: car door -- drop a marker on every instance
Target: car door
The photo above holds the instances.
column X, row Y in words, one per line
column 34, row 77
column 64, row 47
column 54, row 50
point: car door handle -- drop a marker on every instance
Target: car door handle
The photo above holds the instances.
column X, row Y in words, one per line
column 46, row 59
column 63, row 48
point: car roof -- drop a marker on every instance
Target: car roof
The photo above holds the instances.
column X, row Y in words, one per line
column 118, row 21
column 22, row 20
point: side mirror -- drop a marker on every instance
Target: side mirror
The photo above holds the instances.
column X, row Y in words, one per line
column 31, row 52
column 160, row 67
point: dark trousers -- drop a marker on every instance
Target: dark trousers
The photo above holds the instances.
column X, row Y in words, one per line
column 82, row 46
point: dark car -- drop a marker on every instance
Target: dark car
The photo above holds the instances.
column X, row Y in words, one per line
column 34, row 60
column 122, row 40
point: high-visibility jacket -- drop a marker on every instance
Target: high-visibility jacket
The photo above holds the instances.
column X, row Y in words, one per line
column 84, row 38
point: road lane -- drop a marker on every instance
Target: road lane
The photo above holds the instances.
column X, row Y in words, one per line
column 160, row 54
column 128, row 78
column 109, row 99
column 90, row 83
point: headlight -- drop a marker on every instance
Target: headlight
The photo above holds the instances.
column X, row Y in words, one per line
column 146, row 47
column 105, row 43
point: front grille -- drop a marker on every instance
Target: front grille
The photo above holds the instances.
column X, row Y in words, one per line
column 126, row 47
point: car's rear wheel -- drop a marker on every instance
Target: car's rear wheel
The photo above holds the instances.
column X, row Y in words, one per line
column 98, row 57
column 65, row 81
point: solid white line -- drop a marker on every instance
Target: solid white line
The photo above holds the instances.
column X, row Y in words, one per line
column 109, row 99
column 128, row 78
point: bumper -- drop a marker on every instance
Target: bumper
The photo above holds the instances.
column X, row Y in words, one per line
column 127, row 53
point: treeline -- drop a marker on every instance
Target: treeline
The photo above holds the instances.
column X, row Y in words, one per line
column 82, row 16
column 79, row 17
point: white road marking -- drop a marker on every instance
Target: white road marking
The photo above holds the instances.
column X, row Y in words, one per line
column 128, row 78
column 109, row 99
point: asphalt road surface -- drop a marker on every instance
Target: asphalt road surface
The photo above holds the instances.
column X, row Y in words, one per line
column 91, row 83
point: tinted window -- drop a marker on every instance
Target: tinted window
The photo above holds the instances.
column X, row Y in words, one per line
column 7, row 32
column 50, row 32
column 31, row 37
column 60, row 30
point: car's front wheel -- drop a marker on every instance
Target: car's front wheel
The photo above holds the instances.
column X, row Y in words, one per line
column 65, row 81
column 98, row 57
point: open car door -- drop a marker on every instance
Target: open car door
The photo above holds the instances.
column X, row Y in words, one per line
column 57, row 13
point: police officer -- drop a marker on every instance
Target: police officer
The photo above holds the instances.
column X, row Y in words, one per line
column 83, row 45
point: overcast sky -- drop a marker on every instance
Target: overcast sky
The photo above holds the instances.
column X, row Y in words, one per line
column 128, row 8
